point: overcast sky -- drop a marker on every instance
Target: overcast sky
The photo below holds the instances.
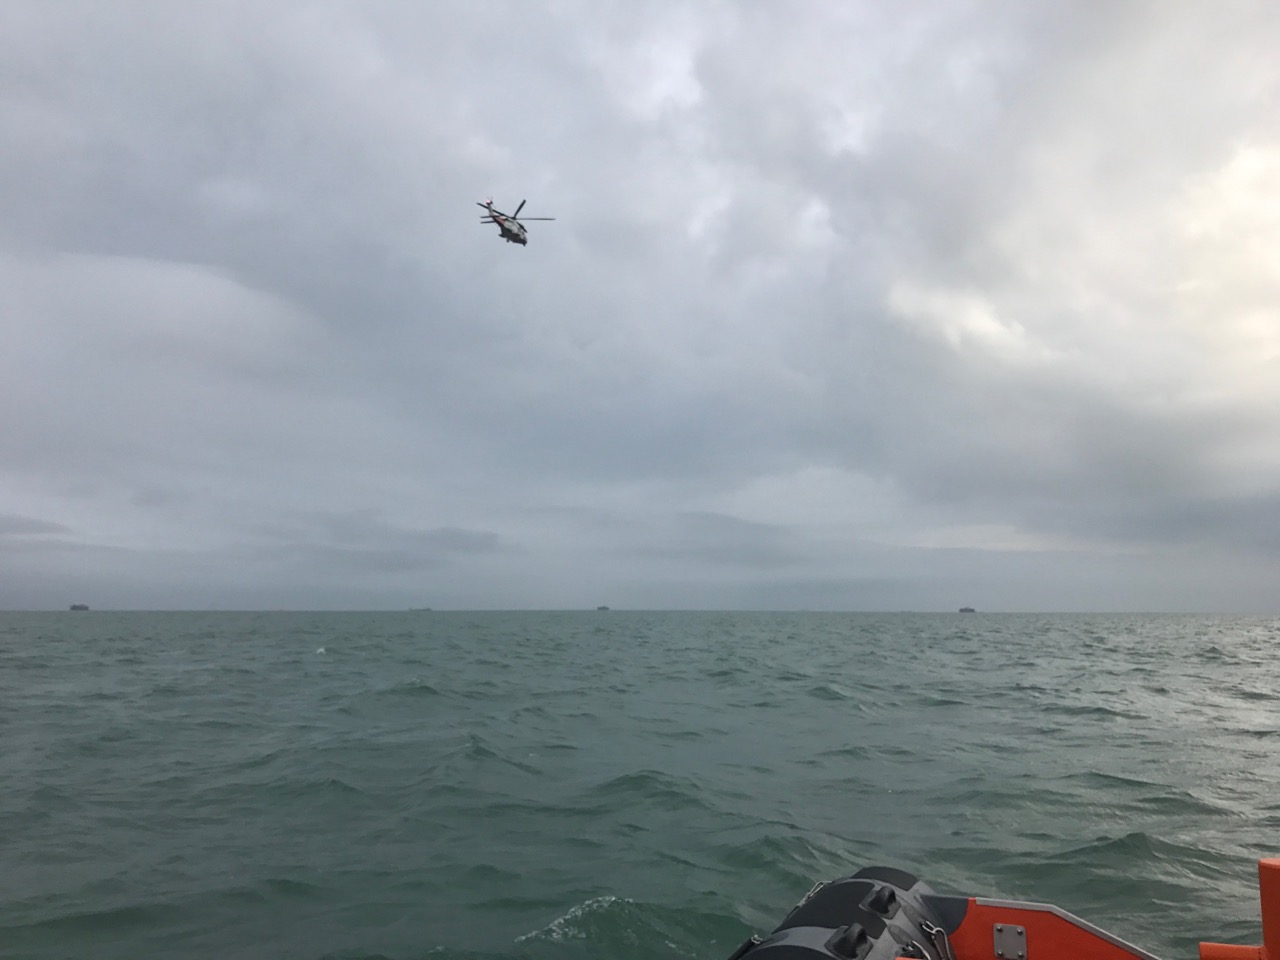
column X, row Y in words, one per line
column 847, row 305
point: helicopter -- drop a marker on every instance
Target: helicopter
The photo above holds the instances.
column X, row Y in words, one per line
column 510, row 226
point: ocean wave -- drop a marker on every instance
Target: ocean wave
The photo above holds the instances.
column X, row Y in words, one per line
column 575, row 924
column 277, row 889
column 830, row 691
column 1093, row 711
column 651, row 788
column 373, row 803
column 624, row 929
column 412, row 688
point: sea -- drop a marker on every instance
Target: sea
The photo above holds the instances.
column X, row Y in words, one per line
column 620, row 785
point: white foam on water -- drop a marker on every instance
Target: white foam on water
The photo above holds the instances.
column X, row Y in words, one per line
column 563, row 928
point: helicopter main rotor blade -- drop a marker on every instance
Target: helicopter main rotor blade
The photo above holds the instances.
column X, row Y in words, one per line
column 518, row 209
column 522, row 219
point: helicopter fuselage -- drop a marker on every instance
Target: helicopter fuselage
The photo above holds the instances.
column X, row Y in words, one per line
column 509, row 225
column 511, row 231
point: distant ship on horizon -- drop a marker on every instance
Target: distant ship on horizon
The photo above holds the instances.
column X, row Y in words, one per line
column 79, row 606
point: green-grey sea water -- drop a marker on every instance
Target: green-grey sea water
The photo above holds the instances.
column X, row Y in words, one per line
column 614, row 784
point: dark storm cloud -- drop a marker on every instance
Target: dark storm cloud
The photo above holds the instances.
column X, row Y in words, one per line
column 858, row 306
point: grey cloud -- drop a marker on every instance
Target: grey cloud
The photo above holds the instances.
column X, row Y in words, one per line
column 11, row 526
column 356, row 537
column 722, row 541
column 992, row 261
